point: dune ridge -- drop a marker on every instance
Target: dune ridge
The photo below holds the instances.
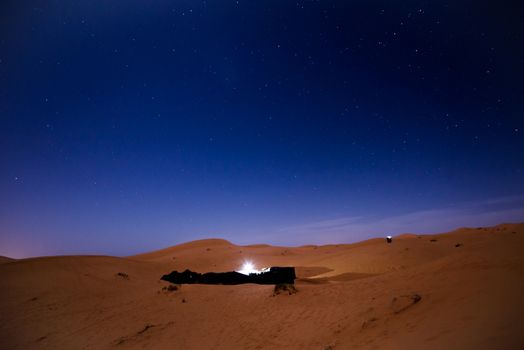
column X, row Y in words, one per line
column 5, row 259
column 456, row 290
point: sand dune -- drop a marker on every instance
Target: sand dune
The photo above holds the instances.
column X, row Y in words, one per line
column 5, row 259
column 458, row 290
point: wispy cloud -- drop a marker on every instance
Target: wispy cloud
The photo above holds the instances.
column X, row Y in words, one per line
column 350, row 229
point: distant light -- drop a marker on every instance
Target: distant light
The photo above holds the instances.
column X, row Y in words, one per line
column 389, row 237
column 249, row 268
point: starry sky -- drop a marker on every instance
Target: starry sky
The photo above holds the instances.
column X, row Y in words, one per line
column 127, row 126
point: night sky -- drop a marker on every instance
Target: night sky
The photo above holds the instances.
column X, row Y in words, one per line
column 127, row 126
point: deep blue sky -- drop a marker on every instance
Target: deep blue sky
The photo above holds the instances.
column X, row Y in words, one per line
column 132, row 125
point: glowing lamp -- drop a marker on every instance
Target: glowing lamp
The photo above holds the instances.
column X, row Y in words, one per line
column 248, row 268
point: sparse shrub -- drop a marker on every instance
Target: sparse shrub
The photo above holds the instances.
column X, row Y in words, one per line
column 369, row 323
column 404, row 302
column 171, row 288
column 123, row 275
column 284, row 288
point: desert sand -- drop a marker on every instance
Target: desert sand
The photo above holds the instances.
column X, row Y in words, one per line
column 458, row 290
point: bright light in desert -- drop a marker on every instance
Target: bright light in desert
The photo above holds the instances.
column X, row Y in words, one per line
column 248, row 268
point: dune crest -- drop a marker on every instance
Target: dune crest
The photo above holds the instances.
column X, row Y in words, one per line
column 456, row 290
column 5, row 259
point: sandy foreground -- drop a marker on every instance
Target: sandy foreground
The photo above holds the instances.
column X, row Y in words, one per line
column 458, row 290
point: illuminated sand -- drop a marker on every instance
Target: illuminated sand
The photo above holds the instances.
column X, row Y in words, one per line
column 460, row 290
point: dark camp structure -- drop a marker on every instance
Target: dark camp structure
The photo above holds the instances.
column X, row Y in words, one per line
column 275, row 275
